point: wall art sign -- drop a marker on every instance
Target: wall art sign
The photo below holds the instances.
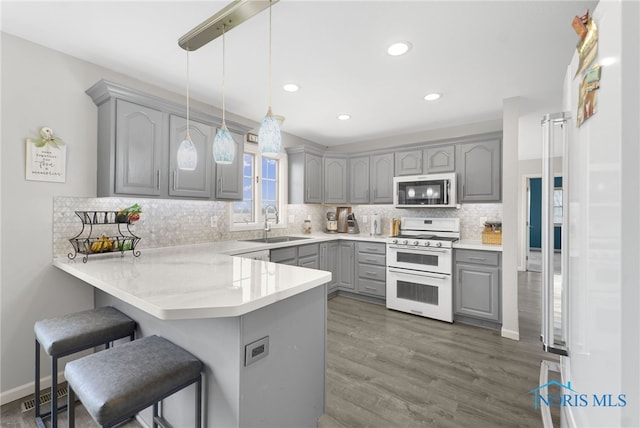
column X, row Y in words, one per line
column 46, row 158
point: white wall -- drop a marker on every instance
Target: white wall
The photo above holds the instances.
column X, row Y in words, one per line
column 511, row 114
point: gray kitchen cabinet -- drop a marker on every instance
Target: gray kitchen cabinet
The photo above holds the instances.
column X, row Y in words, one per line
column 382, row 172
column 408, row 162
column 308, row 256
column 138, row 149
column 196, row 183
column 228, row 180
column 371, row 272
column 439, row 159
column 476, row 293
column 346, row 270
column 286, row 256
column 359, row 180
column 329, row 262
column 302, row 255
column 479, row 171
column 305, row 176
column 335, row 180
column 138, row 136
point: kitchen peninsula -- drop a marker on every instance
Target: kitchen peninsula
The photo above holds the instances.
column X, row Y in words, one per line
column 259, row 328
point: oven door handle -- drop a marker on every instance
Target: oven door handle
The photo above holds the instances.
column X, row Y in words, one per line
column 423, row 249
column 423, row 274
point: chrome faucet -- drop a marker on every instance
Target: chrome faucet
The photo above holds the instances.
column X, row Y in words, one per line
column 269, row 209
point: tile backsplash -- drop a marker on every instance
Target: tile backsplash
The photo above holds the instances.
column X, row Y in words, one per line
column 182, row 222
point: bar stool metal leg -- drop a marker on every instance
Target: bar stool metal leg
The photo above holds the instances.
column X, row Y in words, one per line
column 71, row 408
column 36, row 395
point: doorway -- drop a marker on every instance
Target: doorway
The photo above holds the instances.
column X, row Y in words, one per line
column 534, row 223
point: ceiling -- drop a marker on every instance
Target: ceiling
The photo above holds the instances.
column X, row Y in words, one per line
column 474, row 53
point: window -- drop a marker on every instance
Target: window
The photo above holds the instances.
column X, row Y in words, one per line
column 264, row 184
column 557, row 206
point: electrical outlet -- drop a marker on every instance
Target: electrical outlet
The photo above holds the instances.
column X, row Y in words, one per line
column 292, row 218
column 214, row 221
column 483, row 220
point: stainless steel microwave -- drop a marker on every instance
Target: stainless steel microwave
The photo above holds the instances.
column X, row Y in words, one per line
column 425, row 191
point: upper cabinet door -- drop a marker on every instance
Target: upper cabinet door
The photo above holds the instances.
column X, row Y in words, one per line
column 335, row 180
column 312, row 179
column 382, row 178
column 229, row 177
column 359, row 180
column 439, row 159
column 480, row 169
column 138, row 149
column 196, row 183
column 409, row 162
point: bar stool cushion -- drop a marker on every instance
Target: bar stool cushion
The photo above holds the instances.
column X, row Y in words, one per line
column 82, row 330
column 123, row 379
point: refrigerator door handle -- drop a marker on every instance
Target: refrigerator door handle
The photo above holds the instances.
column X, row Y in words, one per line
column 548, row 328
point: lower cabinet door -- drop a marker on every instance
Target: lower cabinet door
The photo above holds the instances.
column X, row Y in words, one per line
column 329, row 261
column 346, row 267
column 477, row 291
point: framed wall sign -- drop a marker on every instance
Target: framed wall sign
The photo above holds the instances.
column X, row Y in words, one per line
column 46, row 158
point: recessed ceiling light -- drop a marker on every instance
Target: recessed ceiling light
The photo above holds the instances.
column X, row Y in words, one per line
column 344, row 117
column 432, row 97
column 291, row 87
column 399, row 48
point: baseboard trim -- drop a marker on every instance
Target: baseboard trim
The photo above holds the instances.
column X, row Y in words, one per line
column 510, row 334
column 26, row 390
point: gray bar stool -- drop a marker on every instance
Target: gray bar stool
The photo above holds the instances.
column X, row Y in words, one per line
column 115, row 384
column 73, row 333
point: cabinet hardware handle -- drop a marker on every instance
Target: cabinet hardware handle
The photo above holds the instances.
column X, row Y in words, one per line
column 370, row 288
column 175, row 179
column 158, row 179
column 371, row 260
column 477, row 258
column 371, row 273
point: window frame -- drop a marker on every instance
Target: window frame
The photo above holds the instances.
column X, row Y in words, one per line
column 282, row 190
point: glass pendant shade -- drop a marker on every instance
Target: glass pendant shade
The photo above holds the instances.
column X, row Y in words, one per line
column 187, row 156
column 269, row 138
column 224, row 147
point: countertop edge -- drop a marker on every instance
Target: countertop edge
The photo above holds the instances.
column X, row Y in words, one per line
column 468, row 244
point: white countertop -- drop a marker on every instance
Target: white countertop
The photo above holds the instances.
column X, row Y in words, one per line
column 190, row 282
column 469, row 244
column 203, row 281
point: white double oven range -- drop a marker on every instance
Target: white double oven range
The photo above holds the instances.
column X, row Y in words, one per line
column 420, row 267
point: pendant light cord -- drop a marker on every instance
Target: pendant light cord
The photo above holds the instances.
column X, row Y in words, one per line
column 188, row 136
column 223, row 77
column 270, row 78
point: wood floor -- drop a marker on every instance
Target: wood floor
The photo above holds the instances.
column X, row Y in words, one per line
column 391, row 369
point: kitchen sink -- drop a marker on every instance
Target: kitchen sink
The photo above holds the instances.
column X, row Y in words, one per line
column 275, row 239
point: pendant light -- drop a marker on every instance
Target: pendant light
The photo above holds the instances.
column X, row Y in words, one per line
column 269, row 137
column 187, row 156
column 224, row 147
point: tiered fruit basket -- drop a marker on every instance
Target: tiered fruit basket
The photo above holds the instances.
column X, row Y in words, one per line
column 117, row 237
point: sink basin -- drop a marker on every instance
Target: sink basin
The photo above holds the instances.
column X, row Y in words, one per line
column 275, row 239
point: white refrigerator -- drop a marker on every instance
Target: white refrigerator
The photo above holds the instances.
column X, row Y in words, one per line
column 591, row 304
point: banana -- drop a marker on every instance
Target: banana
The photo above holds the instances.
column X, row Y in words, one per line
column 104, row 243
